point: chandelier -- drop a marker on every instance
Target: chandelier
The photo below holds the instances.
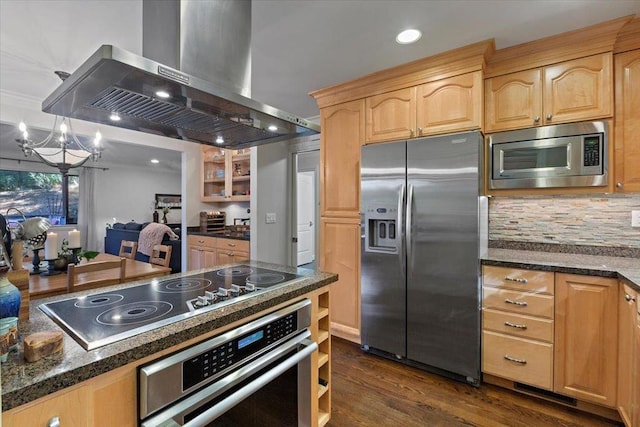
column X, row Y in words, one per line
column 61, row 149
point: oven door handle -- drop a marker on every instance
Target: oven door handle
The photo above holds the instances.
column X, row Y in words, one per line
column 308, row 347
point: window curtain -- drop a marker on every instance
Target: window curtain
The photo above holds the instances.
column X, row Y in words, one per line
column 87, row 209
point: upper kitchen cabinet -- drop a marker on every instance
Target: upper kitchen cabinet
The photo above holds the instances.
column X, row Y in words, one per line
column 391, row 116
column 627, row 121
column 446, row 105
column 226, row 175
column 342, row 136
column 569, row 91
column 558, row 79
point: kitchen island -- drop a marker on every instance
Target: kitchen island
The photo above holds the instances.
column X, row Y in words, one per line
column 100, row 384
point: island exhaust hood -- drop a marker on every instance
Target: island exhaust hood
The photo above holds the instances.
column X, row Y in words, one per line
column 192, row 82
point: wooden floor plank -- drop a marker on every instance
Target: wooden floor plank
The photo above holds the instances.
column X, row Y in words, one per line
column 368, row 390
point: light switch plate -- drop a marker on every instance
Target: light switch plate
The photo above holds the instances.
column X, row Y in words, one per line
column 270, row 218
column 635, row 218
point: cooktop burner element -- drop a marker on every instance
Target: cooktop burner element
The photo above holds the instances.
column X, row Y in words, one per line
column 264, row 279
column 235, row 271
column 183, row 284
column 104, row 318
column 134, row 312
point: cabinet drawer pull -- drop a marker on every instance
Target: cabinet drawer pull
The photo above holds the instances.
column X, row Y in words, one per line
column 515, row 325
column 513, row 359
column 54, row 422
column 200, row 241
column 629, row 298
column 520, row 303
column 233, row 245
column 517, row 280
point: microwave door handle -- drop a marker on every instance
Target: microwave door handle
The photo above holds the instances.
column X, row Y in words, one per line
column 223, row 406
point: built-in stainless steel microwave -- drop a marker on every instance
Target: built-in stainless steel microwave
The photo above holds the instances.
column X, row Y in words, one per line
column 571, row 155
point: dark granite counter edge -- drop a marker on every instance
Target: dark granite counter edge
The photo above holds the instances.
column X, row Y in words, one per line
column 623, row 268
column 147, row 345
column 218, row 235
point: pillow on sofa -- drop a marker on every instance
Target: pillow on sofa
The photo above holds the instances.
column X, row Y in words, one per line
column 118, row 226
column 133, row 226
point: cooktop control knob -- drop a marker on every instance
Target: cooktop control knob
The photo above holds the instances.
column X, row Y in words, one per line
column 249, row 287
column 201, row 301
column 223, row 292
column 209, row 295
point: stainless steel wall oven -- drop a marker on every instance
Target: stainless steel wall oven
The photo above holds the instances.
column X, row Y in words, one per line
column 258, row 374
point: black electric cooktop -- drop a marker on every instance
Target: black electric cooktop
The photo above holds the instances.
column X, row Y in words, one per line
column 100, row 319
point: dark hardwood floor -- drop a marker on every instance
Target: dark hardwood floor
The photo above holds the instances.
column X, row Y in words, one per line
column 369, row 390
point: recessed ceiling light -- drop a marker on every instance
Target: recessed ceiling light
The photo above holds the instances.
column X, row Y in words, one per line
column 219, row 140
column 163, row 94
column 408, row 36
column 114, row 117
column 273, row 128
column 155, row 161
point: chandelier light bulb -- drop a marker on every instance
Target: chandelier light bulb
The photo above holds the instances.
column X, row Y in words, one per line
column 25, row 135
column 22, row 127
column 63, row 128
column 96, row 140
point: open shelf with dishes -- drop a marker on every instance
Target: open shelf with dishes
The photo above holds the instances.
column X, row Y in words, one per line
column 226, row 175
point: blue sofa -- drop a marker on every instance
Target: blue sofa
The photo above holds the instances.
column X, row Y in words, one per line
column 131, row 231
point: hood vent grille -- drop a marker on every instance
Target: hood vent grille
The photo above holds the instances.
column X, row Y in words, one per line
column 138, row 106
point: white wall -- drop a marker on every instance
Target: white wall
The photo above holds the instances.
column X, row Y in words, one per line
column 270, row 185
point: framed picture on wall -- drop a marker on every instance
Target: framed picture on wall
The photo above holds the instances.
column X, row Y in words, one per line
column 171, row 201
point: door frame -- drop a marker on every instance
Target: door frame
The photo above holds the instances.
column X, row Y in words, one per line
column 300, row 146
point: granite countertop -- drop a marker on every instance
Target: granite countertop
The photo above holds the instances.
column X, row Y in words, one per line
column 237, row 235
column 627, row 268
column 23, row 382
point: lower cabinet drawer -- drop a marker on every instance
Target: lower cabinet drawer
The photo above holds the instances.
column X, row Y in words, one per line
column 518, row 302
column 517, row 359
column 514, row 324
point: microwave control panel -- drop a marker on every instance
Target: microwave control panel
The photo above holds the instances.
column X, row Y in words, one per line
column 591, row 150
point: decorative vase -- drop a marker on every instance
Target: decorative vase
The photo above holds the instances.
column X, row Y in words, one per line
column 164, row 218
column 155, row 216
column 9, row 298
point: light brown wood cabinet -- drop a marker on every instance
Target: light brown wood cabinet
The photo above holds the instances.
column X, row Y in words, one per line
column 586, row 339
column 627, row 121
column 225, row 175
column 202, row 252
column 342, row 136
column 628, row 397
column 517, row 325
column 447, row 105
column 570, row 91
column 208, row 252
column 340, row 243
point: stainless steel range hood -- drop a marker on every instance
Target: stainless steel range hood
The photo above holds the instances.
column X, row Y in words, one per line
column 204, row 47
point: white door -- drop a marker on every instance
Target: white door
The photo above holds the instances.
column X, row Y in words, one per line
column 306, row 212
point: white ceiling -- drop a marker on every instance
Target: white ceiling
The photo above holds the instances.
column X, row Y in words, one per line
column 297, row 46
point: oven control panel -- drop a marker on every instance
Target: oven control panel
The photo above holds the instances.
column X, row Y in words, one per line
column 210, row 362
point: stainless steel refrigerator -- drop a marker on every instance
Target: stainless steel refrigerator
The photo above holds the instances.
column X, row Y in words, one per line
column 424, row 225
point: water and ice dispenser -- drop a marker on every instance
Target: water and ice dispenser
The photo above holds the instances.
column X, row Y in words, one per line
column 381, row 229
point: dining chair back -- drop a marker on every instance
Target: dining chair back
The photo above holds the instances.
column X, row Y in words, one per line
column 161, row 255
column 128, row 249
column 95, row 274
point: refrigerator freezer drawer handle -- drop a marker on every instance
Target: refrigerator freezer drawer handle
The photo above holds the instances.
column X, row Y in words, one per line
column 520, row 303
column 515, row 325
column 511, row 279
column 513, row 359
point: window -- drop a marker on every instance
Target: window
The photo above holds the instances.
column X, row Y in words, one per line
column 38, row 194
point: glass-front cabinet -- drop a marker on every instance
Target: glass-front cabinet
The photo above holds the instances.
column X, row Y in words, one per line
column 226, row 175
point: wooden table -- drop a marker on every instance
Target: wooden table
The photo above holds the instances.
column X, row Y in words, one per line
column 46, row 286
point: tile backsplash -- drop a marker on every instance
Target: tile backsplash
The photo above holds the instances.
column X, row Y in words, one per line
column 591, row 220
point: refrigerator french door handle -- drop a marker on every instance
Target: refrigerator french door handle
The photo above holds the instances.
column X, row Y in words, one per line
column 408, row 222
column 402, row 194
